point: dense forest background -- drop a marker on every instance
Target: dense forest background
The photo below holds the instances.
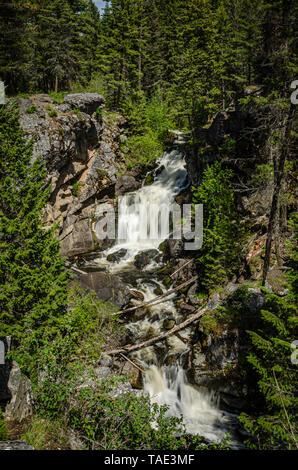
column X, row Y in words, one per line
column 198, row 54
column 161, row 64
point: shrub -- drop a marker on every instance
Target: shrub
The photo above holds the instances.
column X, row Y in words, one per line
column 32, row 109
column 53, row 113
column 275, row 426
column 3, row 429
column 46, row 434
column 75, row 188
column 79, row 334
column 149, row 123
column 58, row 98
column 144, row 149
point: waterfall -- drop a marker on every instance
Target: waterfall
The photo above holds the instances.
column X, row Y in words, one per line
column 144, row 216
column 143, row 223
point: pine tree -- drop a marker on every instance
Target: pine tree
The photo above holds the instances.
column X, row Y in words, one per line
column 275, row 427
column 32, row 276
column 223, row 233
column 15, row 43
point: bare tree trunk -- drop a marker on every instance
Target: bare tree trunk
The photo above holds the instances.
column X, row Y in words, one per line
column 279, row 173
column 156, row 339
column 56, row 84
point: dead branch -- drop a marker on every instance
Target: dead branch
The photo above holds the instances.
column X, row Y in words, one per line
column 131, row 362
column 181, row 267
column 156, row 300
column 199, row 313
column 77, row 270
column 285, row 411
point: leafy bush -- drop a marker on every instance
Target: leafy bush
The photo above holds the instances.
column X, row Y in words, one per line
column 80, row 334
column 32, row 109
column 144, row 149
column 75, row 188
column 53, row 113
column 58, row 98
column 3, row 429
column 149, row 122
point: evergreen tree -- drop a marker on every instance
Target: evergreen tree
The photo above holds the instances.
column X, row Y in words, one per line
column 32, row 275
column 275, row 427
column 223, row 233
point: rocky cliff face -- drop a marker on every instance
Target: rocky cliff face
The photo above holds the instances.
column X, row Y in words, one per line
column 80, row 145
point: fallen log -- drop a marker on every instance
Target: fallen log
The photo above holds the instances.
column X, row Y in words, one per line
column 157, row 299
column 161, row 337
column 131, row 362
column 77, row 270
column 181, row 267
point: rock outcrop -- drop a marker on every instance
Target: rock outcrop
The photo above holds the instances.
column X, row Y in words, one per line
column 20, row 404
column 215, row 361
column 15, row 389
column 15, row 445
column 80, row 145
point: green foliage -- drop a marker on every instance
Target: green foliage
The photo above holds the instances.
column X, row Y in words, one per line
column 32, row 109
column 32, row 275
column 76, row 111
column 53, row 113
column 223, row 233
column 273, row 427
column 262, row 174
column 45, row 434
column 273, row 359
column 144, row 149
column 98, row 112
column 80, row 334
column 75, row 188
column 68, row 393
column 149, row 123
column 3, row 429
column 125, row 422
column 58, row 97
column 292, row 262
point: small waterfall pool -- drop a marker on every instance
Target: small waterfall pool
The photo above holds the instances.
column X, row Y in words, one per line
column 143, row 223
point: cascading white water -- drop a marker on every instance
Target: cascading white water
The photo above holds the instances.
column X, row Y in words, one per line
column 143, row 223
column 168, row 386
column 144, row 215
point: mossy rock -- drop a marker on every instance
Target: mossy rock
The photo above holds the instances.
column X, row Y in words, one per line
column 149, row 179
column 158, row 291
column 168, row 323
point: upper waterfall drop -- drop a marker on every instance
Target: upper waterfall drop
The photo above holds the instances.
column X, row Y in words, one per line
column 144, row 215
